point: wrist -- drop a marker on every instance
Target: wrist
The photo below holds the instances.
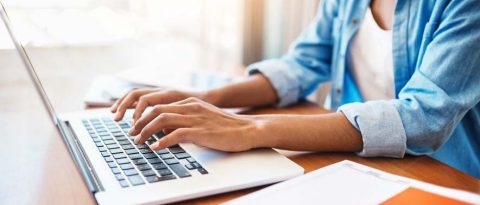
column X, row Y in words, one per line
column 259, row 135
column 210, row 96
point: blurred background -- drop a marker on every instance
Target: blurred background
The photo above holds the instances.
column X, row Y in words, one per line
column 72, row 42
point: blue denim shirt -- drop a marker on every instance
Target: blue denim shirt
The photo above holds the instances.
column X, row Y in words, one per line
column 436, row 55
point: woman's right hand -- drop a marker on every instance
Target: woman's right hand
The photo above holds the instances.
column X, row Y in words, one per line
column 140, row 99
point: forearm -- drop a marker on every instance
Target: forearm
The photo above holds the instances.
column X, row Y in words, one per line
column 254, row 91
column 324, row 132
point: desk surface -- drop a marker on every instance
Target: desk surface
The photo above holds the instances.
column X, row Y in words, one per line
column 37, row 168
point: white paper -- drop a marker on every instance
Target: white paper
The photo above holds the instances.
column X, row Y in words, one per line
column 106, row 89
column 345, row 182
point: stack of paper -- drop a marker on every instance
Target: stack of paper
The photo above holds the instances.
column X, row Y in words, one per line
column 347, row 182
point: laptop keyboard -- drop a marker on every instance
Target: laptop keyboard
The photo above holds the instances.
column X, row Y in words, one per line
column 136, row 164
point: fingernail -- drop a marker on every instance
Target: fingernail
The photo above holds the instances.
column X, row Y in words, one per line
column 136, row 139
column 130, row 132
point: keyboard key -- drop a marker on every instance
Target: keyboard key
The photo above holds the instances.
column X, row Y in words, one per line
column 123, row 161
column 139, row 161
column 160, row 135
column 116, row 170
column 196, row 165
column 104, row 134
column 153, row 179
column 130, row 172
column 122, row 138
column 106, row 138
column 119, row 177
column 162, row 151
column 148, row 173
column 96, row 139
column 105, row 154
column 112, row 146
column 146, row 151
column 126, row 166
column 191, row 160
column 189, row 166
column 99, row 144
column 202, row 170
column 159, row 166
column 150, row 156
column 108, row 159
column 171, row 161
column 123, row 142
column 136, row 180
column 176, row 149
column 123, row 183
column 143, row 167
column 164, row 172
column 102, row 149
column 116, row 151
column 131, row 151
column 135, row 156
column 166, row 156
column 182, row 155
column 154, row 160
column 124, row 124
column 180, row 170
column 118, row 134
column 112, row 164
column 127, row 146
column 142, row 146
column 120, row 155
column 107, row 142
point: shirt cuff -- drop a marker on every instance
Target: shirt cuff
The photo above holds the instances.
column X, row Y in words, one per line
column 282, row 79
column 381, row 127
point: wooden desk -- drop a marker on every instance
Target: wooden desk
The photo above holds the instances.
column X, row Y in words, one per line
column 37, row 168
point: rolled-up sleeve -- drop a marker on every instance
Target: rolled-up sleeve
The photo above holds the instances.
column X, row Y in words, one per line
column 381, row 127
column 308, row 61
column 443, row 88
column 283, row 81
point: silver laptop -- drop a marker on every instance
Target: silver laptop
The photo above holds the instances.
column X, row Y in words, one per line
column 118, row 171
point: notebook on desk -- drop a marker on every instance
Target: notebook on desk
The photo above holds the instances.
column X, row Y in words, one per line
column 348, row 182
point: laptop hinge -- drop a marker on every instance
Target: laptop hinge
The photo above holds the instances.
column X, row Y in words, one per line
column 79, row 157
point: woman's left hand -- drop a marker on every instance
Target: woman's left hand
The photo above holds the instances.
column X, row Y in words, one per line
column 196, row 121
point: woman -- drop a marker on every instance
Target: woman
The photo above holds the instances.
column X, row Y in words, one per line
column 405, row 79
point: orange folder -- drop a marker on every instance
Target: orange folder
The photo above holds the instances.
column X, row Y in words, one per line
column 418, row 196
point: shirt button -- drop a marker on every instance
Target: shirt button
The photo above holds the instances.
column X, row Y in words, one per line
column 354, row 21
column 339, row 90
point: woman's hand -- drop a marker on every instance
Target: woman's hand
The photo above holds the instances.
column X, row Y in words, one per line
column 196, row 121
column 140, row 99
